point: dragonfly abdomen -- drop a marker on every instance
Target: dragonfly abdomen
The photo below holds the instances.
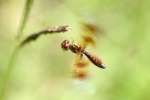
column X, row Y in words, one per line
column 95, row 60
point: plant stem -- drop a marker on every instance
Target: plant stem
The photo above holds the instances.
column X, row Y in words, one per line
column 50, row 30
column 10, row 66
column 24, row 18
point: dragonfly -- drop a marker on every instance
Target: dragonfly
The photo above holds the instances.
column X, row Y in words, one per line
column 78, row 49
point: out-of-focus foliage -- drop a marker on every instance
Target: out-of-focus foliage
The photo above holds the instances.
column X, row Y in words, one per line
column 42, row 70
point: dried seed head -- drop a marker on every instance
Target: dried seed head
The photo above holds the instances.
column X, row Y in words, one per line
column 51, row 30
column 58, row 29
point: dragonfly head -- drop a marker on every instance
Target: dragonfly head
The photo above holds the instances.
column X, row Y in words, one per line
column 65, row 45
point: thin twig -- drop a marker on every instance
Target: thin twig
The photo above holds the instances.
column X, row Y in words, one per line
column 50, row 30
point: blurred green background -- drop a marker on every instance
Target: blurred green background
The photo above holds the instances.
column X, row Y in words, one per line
column 42, row 70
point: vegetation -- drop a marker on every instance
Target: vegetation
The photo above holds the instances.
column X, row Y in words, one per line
column 117, row 31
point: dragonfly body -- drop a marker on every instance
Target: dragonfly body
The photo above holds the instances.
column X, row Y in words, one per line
column 78, row 49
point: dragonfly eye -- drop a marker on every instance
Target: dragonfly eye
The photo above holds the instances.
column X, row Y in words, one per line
column 65, row 45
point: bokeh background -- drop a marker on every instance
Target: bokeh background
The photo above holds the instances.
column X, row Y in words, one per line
column 41, row 70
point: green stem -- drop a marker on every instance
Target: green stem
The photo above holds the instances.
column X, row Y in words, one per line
column 13, row 57
column 24, row 19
